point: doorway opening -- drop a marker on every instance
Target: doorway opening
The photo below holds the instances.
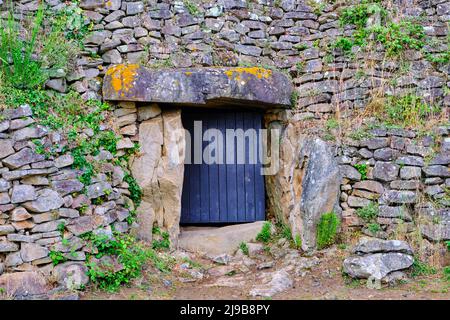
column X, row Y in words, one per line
column 223, row 181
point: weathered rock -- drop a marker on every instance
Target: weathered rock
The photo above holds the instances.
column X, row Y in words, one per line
column 28, row 133
column 133, row 83
column 162, row 148
column 394, row 212
column 385, row 171
column 437, row 171
column 148, row 112
column 6, row 246
column 4, row 185
column 65, row 187
column 24, row 285
column 357, row 202
column 71, row 275
column 64, row 161
column 21, row 158
column 6, row 229
column 47, row 200
column 4, row 198
column 350, row 173
column 6, row 148
column 279, row 281
column 31, row 251
column 98, row 189
column 377, row 245
column 369, row 185
column 217, row 241
column 434, row 223
column 23, row 193
column 20, row 214
column 410, row 172
column 377, row 265
column 47, row 226
column 306, row 185
column 84, row 224
column 400, row 197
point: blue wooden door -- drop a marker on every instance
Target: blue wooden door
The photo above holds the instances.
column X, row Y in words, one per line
column 228, row 192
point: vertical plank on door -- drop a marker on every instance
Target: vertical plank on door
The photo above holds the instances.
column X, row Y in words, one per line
column 222, row 173
column 260, row 196
column 240, row 173
column 232, row 192
column 249, row 174
column 213, row 177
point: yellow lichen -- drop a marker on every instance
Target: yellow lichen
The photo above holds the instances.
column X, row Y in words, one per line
column 255, row 71
column 188, row 73
column 122, row 77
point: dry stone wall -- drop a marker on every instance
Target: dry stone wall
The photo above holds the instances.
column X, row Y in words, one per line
column 404, row 178
column 291, row 36
column 44, row 208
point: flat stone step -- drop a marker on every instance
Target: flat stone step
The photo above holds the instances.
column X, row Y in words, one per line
column 219, row 240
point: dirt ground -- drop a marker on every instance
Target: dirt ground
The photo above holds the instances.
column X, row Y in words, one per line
column 324, row 281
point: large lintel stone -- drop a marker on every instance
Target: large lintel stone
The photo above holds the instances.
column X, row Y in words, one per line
column 198, row 86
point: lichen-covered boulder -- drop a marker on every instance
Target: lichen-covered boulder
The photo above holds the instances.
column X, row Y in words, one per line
column 197, row 85
column 306, row 184
column 376, row 258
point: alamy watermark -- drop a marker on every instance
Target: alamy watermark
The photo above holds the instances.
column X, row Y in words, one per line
column 215, row 146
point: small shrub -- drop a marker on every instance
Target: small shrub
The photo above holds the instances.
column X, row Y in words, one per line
column 134, row 188
column 129, row 253
column 406, row 111
column 297, row 242
column 191, row 7
column 420, row 268
column 164, row 242
column 266, row 233
column 360, row 134
column 244, row 247
column 368, row 213
column 57, row 257
column 374, row 227
column 16, row 53
column 362, row 169
column 327, row 229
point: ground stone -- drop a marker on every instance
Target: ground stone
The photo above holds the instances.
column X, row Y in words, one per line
column 221, row 240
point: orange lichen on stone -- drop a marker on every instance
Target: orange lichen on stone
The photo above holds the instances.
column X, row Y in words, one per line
column 255, row 71
column 122, row 77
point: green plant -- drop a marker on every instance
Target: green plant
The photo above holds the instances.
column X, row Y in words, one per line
column 61, row 227
column 368, row 213
column 244, row 247
column 406, row 111
column 360, row 134
column 420, row 268
column 191, row 7
column 16, row 53
column 327, row 229
column 394, row 36
column 163, row 243
column 266, row 232
column 332, row 124
column 362, row 169
column 130, row 254
column 343, row 43
column 57, row 257
column 134, row 188
column 359, row 14
column 374, row 227
column 297, row 242
column 294, row 98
